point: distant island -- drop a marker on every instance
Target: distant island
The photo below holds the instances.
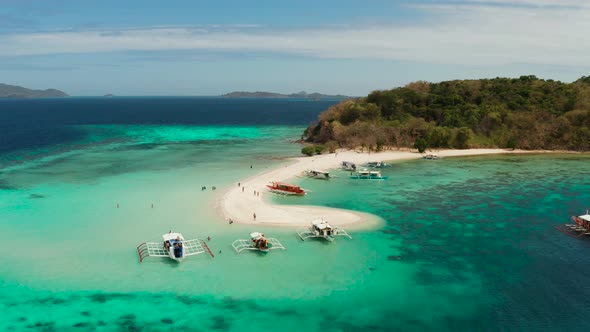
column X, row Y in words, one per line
column 14, row 91
column 263, row 94
column 522, row 113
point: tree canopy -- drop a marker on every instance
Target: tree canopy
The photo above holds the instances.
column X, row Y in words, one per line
column 525, row 113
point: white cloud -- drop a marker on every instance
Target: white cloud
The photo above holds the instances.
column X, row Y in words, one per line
column 554, row 32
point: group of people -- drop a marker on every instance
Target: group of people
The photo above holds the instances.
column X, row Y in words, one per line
column 261, row 242
column 177, row 244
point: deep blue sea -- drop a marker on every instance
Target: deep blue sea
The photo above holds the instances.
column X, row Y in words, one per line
column 468, row 244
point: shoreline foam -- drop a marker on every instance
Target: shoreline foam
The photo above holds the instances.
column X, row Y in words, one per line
column 240, row 206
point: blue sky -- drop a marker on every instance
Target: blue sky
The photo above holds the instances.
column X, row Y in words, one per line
column 350, row 47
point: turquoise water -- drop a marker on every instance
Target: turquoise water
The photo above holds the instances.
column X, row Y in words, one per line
column 468, row 243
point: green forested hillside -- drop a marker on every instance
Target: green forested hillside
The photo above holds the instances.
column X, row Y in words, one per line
column 526, row 113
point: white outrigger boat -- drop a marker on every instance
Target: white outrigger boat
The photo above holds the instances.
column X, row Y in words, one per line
column 348, row 166
column 257, row 242
column 377, row 164
column 322, row 229
column 174, row 246
column 430, row 156
column 315, row 174
column 365, row 174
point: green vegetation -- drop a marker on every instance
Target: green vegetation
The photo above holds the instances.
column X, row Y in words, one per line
column 310, row 150
column 524, row 113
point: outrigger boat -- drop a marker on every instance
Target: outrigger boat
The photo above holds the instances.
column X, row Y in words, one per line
column 322, row 229
column 377, row 164
column 312, row 173
column 285, row 189
column 174, row 246
column 581, row 226
column 430, row 156
column 368, row 175
column 257, row 242
column 348, row 166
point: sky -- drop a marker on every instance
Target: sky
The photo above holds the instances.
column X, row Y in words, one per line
column 207, row 48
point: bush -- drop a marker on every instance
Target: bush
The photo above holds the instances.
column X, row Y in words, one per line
column 319, row 149
column 421, row 145
column 308, row 150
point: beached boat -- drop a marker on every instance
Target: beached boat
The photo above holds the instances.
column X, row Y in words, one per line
column 322, row 229
column 348, row 166
column 377, row 164
column 581, row 226
column 174, row 246
column 365, row 174
column 430, row 156
column 285, row 189
column 315, row 174
column 257, row 242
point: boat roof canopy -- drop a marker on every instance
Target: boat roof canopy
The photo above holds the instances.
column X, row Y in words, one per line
column 256, row 235
column 585, row 217
column 321, row 224
column 172, row 236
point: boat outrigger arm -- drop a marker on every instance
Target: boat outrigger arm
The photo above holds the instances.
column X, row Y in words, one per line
column 155, row 249
column 241, row 245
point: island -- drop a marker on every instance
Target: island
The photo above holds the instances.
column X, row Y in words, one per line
column 263, row 94
column 516, row 113
column 14, row 91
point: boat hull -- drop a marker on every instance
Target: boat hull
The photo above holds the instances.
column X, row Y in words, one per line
column 285, row 192
column 356, row 177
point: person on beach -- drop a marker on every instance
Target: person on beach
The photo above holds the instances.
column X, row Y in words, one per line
column 208, row 238
column 238, row 184
column 254, row 216
column 243, row 189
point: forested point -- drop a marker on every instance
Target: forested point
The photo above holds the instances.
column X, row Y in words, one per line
column 523, row 113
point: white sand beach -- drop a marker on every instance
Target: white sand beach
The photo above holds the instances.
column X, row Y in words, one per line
column 239, row 202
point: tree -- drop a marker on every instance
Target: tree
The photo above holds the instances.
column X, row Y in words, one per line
column 462, row 137
column 421, row 145
column 308, row 150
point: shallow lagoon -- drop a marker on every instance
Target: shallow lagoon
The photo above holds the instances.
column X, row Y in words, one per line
column 468, row 243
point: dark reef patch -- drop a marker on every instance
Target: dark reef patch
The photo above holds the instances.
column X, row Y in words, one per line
column 220, row 323
column 189, row 300
column 104, row 297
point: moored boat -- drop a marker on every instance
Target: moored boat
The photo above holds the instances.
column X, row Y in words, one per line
column 581, row 226
column 285, row 189
column 257, row 242
column 583, row 221
column 365, row 174
column 322, row 229
column 174, row 247
column 348, row 166
column 430, row 156
column 377, row 164
column 315, row 174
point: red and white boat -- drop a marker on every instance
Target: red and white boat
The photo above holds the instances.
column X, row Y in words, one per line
column 580, row 227
column 285, row 189
column 583, row 221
